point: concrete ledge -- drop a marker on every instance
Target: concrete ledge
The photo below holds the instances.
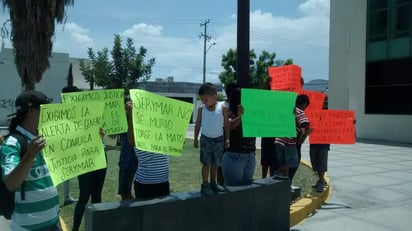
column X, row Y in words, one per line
column 241, row 208
column 301, row 209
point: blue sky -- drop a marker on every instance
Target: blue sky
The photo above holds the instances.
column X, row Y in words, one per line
column 170, row 30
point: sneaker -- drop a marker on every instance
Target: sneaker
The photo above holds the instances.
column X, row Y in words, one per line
column 217, row 188
column 320, row 183
column 206, row 189
column 319, row 188
column 279, row 176
column 70, row 201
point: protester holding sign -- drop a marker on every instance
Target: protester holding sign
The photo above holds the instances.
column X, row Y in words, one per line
column 37, row 208
column 302, row 130
column 127, row 168
column 152, row 173
column 90, row 186
column 319, row 159
column 238, row 163
column 286, row 146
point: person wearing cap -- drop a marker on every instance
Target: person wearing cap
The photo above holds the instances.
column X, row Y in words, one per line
column 39, row 209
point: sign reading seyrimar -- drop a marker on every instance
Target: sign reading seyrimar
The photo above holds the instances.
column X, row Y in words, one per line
column 160, row 123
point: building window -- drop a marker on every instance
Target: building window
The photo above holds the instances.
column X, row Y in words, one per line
column 389, row 57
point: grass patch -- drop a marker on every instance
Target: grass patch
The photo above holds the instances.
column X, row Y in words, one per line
column 184, row 177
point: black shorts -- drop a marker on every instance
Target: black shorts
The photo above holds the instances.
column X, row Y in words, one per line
column 148, row 191
column 268, row 151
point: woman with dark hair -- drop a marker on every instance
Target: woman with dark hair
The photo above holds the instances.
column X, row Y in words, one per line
column 238, row 163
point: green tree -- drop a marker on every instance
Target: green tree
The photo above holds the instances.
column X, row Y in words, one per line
column 97, row 69
column 33, row 24
column 127, row 68
column 259, row 76
column 229, row 65
column 70, row 76
column 258, row 67
column 86, row 68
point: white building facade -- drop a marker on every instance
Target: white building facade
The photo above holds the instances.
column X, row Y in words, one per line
column 370, row 66
column 54, row 79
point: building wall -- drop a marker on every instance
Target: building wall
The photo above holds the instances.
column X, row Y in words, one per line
column 54, row 79
column 347, row 57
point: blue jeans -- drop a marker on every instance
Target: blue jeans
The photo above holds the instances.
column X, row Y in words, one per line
column 238, row 168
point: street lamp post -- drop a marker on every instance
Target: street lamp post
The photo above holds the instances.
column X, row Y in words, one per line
column 204, row 59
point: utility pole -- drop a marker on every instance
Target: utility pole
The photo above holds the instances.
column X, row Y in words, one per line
column 206, row 38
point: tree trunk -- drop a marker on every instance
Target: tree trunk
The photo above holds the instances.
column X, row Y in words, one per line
column 33, row 26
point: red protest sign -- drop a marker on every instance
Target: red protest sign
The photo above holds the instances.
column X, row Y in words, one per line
column 316, row 100
column 286, row 78
column 332, row 127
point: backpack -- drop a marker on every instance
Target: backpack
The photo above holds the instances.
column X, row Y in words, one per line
column 6, row 196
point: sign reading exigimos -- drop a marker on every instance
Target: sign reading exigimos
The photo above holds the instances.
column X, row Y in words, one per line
column 160, row 123
column 114, row 116
column 74, row 145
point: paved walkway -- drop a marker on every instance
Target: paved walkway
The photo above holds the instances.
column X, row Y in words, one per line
column 371, row 185
column 371, row 188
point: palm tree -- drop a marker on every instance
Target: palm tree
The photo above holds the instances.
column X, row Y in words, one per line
column 33, row 25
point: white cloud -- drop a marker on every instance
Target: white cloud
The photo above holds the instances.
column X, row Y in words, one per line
column 79, row 35
column 73, row 39
column 304, row 38
column 316, row 8
column 143, row 29
column 174, row 56
column 74, row 28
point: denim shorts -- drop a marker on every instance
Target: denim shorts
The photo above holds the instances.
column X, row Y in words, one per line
column 211, row 150
column 238, row 168
column 287, row 155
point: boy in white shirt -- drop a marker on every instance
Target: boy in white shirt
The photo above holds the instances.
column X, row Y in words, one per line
column 212, row 118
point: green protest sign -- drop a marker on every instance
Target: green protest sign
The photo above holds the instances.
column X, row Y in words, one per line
column 114, row 115
column 74, row 145
column 160, row 123
column 268, row 113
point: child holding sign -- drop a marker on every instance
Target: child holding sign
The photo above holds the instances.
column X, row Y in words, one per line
column 286, row 149
column 212, row 121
